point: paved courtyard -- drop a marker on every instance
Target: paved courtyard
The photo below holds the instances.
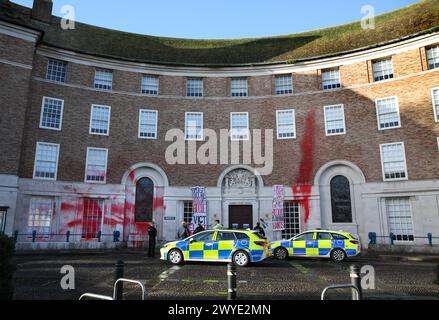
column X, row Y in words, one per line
column 38, row 277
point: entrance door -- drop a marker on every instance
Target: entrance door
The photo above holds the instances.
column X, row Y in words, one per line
column 240, row 217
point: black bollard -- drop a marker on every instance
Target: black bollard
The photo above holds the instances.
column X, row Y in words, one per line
column 356, row 281
column 120, row 265
column 231, row 280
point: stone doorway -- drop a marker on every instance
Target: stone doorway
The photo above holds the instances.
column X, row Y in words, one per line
column 240, row 217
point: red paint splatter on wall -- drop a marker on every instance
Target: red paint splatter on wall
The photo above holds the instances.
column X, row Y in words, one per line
column 302, row 184
column 85, row 210
column 129, row 207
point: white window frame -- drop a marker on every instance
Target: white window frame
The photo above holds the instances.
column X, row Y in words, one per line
column 397, row 109
column 57, row 161
column 156, row 124
column 278, row 112
column 426, row 55
column 338, row 85
column 104, row 211
column 32, row 213
column 150, row 76
column 406, row 242
column 47, row 70
column 187, row 215
column 3, row 218
column 188, row 80
column 106, row 166
column 186, row 126
column 42, row 112
column 96, row 85
column 389, row 76
column 326, row 122
column 231, row 126
column 238, row 94
column 91, row 120
column 287, row 231
column 435, row 110
column 289, row 75
column 404, row 158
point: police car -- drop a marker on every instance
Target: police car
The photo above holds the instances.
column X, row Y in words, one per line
column 336, row 245
column 239, row 247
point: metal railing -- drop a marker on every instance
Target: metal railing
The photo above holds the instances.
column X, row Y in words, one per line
column 140, row 284
column 35, row 236
column 341, row 286
column 95, row 296
column 117, row 291
column 392, row 238
column 118, row 285
column 355, row 285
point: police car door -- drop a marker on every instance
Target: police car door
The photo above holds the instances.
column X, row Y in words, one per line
column 197, row 245
column 225, row 244
column 304, row 245
column 324, row 243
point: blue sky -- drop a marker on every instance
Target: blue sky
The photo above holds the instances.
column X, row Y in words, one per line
column 219, row 18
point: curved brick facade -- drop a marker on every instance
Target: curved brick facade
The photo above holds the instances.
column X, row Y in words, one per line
column 304, row 165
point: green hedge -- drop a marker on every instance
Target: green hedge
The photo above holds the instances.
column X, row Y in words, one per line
column 7, row 247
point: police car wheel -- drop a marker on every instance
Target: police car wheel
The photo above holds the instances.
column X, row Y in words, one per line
column 281, row 253
column 175, row 257
column 241, row 259
column 338, row 255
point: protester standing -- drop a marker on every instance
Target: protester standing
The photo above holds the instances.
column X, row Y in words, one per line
column 152, row 233
column 259, row 229
column 183, row 233
column 218, row 225
column 199, row 228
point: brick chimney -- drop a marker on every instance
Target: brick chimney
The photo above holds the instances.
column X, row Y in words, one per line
column 42, row 10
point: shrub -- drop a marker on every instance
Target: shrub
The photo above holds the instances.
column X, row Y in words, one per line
column 7, row 247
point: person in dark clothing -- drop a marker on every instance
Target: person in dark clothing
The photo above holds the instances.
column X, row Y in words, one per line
column 152, row 233
column 184, row 232
column 259, row 229
column 199, row 228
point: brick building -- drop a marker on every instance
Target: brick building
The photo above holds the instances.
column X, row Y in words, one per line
column 86, row 113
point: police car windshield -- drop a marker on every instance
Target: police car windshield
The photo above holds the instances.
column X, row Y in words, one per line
column 225, row 236
column 304, row 236
column 203, row 237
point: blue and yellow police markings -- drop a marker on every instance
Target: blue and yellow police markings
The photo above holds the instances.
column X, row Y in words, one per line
column 222, row 250
column 318, row 243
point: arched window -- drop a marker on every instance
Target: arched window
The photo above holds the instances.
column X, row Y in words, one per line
column 144, row 200
column 341, row 200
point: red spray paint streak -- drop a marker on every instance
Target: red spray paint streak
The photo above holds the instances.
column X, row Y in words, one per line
column 302, row 185
column 73, row 213
column 159, row 208
column 129, row 204
column 67, row 209
column 121, row 213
